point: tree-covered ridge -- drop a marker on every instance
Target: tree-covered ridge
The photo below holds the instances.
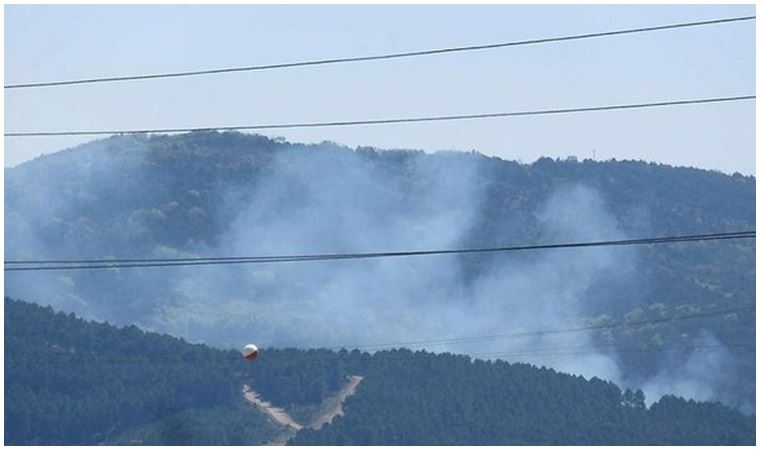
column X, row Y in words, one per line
column 425, row 399
column 185, row 177
column 137, row 196
column 214, row 194
column 133, row 196
column 69, row 381
column 236, row 423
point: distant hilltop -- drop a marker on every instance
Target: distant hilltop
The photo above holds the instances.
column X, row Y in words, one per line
column 222, row 194
column 258, row 142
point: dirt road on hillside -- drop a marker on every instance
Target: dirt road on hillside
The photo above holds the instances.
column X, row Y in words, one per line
column 330, row 408
column 275, row 413
column 333, row 406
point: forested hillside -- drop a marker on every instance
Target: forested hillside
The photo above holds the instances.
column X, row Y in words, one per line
column 68, row 381
column 425, row 399
column 223, row 194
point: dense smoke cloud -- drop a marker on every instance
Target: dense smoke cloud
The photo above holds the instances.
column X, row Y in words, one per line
column 332, row 200
column 704, row 374
column 317, row 206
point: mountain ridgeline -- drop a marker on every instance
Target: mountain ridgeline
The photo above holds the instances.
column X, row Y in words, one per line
column 70, row 381
column 222, row 194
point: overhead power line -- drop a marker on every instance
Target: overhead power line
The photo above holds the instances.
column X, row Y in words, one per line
column 520, row 334
column 593, row 351
column 345, row 123
column 483, row 338
column 174, row 358
column 79, row 264
column 693, row 344
column 728, row 234
column 572, row 351
column 429, row 52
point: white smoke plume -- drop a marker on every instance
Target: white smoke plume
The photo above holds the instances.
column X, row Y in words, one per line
column 335, row 200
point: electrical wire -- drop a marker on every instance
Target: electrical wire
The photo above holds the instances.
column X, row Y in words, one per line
column 321, row 62
column 593, row 351
column 152, row 357
column 539, row 112
column 142, row 263
column 609, row 326
column 727, row 234
column 557, row 351
column 692, row 343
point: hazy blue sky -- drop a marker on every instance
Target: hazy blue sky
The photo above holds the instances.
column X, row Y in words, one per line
column 58, row 42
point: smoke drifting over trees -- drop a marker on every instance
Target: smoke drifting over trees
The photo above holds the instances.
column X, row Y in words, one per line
column 206, row 194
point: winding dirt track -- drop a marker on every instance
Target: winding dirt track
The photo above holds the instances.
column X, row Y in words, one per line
column 331, row 408
column 275, row 413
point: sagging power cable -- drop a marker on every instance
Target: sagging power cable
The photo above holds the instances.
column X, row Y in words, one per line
column 354, row 59
column 88, row 264
column 388, row 121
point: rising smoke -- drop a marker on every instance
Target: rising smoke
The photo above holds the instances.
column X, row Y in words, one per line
column 332, row 200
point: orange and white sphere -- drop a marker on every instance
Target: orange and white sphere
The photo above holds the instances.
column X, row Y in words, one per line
column 250, row 352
